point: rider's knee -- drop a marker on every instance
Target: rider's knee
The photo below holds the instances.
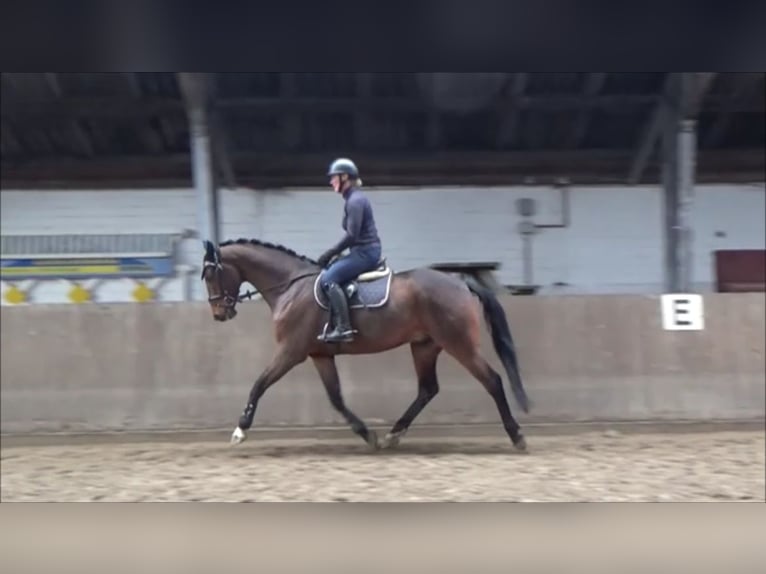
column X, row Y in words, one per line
column 326, row 279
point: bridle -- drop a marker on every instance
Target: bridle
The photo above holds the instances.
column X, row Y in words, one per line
column 230, row 301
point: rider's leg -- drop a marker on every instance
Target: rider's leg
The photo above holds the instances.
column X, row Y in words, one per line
column 333, row 279
column 340, row 313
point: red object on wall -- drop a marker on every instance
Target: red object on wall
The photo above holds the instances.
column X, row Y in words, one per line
column 740, row 270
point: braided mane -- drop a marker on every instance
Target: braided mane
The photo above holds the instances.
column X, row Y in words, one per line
column 282, row 248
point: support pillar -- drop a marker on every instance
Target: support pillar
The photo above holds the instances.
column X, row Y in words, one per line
column 195, row 88
column 670, row 196
column 687, row 148
column 678, row 169
column 203, row 175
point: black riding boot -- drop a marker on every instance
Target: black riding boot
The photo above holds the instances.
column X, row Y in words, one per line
column 342, row 331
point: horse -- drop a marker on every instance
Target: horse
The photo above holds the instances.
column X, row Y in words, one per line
column 430, row 310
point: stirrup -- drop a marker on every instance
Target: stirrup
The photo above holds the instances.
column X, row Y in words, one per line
column 345, row 337
column 323, row 335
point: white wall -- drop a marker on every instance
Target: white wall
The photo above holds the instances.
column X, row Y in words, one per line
column 613, row 243
column 738, row 213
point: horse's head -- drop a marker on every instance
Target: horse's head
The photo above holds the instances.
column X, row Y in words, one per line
column 223, row 281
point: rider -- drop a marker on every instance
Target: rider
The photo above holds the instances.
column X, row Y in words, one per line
column 361, row 239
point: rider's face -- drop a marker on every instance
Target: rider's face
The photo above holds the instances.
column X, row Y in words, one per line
column 335, row 183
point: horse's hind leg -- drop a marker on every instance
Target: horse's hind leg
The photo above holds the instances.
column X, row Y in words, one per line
column 424, row 355
column 480, row 368
column 328, row 372
column 458, row 332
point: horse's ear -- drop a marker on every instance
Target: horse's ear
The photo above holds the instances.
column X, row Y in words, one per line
column 210, row 250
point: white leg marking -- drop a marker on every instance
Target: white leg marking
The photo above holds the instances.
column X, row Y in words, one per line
column 392, row 440
column 238, row 436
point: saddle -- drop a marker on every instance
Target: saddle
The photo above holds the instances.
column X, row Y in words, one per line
column 381, row 271
column 368, row 290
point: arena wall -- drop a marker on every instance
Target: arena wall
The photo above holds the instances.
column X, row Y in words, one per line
column 129, row 367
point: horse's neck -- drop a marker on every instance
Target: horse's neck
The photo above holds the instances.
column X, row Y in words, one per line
column 269, row 271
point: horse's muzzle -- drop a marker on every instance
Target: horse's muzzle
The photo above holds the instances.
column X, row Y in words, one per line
column 228, row 314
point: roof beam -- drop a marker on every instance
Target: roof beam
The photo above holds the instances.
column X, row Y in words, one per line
column 364, row 87
column 510, row 119
column 51, row 78
column 593, row 85
column 9, row 143
column 434, row 131
column 84, row 143
column 90, row 107
column 696, row 87
column 198, row 91
column 409, row 104
column 291, row 126
column 79, row 135
column 684, row 89
column 746, row 86
column 35, row 86
column 653, row 128
column 132, row 83
column 402, row 168
column 150, row 138
column 136, row 108
column 221, row 141
column 194, row 88
column 221, row 145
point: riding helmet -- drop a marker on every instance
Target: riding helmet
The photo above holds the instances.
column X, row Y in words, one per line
column 343, row 165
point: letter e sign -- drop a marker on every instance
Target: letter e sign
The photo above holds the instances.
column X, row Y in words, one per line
column 682, row 312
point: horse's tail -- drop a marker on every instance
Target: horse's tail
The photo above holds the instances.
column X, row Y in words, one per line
column 502, row 340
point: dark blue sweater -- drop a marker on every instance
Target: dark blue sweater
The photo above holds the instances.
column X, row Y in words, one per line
column 358, row 221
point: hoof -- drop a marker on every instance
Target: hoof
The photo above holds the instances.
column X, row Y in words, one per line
column 238, row 436
column 520, row 443
column 392, row 440
column 372, row 440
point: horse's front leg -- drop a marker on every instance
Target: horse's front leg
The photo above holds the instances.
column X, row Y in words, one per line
column 280, row 365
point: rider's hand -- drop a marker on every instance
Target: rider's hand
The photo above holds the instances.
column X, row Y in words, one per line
column 325, row 258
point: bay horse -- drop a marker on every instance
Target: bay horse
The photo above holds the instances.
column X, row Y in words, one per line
column 430, row 310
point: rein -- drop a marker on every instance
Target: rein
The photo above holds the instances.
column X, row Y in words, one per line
column 230, row 300
column 288, row 282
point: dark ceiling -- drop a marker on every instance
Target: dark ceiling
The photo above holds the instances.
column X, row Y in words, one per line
column 281, row 129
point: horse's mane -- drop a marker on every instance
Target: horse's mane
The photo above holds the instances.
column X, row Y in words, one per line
column 282, row 248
